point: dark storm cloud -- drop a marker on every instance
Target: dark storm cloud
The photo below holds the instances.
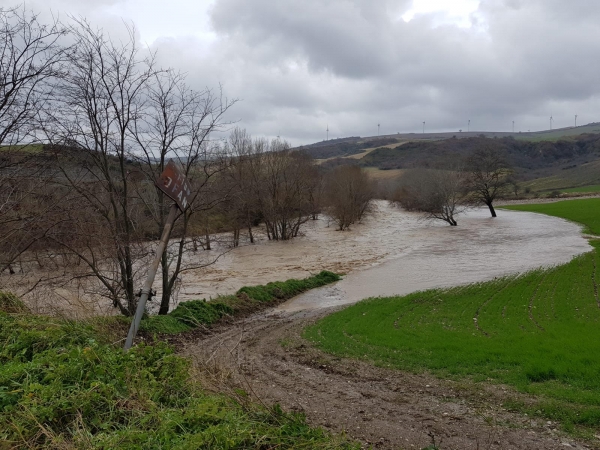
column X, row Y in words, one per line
column 519, row 59
column 300, row 65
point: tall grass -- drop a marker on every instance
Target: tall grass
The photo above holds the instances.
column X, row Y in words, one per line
column 62, row 385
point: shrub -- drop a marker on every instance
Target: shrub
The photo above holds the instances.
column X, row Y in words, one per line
column 200, row 312
column 10, row 303
column 195, row 313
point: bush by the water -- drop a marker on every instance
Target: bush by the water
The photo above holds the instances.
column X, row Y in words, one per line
column 196, row 313
column 63, row 386
column 283, row 290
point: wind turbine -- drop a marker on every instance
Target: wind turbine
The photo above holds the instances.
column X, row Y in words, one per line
column 551, row 119
column 327, row 132
column 575, row 120
column 469, row 125
column 513, row 126
column 423, row 127
column 378, row 125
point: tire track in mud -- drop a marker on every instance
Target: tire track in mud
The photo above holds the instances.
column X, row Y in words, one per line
column 266, row 356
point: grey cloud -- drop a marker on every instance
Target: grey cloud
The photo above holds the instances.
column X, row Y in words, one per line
column 300, row 65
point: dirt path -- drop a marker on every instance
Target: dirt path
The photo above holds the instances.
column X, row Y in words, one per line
column 388, row 409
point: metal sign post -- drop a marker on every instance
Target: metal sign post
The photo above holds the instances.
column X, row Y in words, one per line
column 174, row 184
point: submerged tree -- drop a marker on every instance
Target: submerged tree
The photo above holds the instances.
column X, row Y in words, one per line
column 348, row 194
column 439, row 194
column 487, row 176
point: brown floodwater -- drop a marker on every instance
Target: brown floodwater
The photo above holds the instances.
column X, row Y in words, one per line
column 393, row 252
column 429, row 255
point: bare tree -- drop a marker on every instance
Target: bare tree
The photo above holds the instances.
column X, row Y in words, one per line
column 348, row 193
column 30, row 58
column 487, row 176
column 175, row 123
column 119, row 120
column 100, row 98
column 287, row 180
column 437, row 193
column 242, row 182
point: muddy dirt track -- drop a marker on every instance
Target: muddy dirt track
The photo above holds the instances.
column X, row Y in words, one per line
column 388, row 409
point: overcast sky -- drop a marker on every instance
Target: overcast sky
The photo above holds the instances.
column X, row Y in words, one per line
column 298, row 66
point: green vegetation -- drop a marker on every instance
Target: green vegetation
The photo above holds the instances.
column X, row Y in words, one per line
column 585, row 211
column 62, row 385
column 195, row 313
column 539, row 332
column 29, row 148
column 583, row 189
column 570, row 176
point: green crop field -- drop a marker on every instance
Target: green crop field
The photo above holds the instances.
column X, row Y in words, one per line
column 28, row 148
column 538, row 332
column 585, row 211
column 593, row 188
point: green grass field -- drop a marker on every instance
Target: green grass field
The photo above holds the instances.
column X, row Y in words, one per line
column 583, row 175
column 585, row 211
column 28, row 148
column 538, row 332
column 582, row 189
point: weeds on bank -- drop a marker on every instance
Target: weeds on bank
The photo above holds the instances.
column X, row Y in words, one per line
column 197, row 313
column 63, row 385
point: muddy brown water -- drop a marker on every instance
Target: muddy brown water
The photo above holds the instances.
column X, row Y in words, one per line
column 426, row 255
column 391, row 252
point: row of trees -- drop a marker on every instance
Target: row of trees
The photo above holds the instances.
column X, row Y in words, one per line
column 444, row 193
column 110, row 119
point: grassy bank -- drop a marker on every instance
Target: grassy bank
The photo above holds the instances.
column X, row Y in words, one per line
column 582, row 189
column 538, row 332
column 64, row 385
column 200, row 313
column 585, row 211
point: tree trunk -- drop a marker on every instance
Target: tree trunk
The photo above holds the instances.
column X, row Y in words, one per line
column 166, row 292
column 492, row 210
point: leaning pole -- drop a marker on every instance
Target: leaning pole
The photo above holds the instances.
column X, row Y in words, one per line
column 174, row 184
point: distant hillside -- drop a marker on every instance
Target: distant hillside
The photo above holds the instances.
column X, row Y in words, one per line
column 525, row 155
column 344, row 147
column 422, row 149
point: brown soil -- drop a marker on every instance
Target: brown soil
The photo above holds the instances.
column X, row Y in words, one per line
column 266, row 356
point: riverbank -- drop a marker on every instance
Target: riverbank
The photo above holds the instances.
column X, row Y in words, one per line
column 268, row 355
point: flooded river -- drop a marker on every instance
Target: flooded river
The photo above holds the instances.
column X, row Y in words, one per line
column 394, row 252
